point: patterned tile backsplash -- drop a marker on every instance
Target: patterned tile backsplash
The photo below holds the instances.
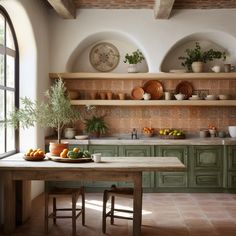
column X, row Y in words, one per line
column 190, row 119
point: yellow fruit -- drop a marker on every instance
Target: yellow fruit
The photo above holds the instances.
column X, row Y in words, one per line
column 75, row 149
column 63, row 154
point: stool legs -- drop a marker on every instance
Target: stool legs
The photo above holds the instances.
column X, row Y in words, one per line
column 54, row 210
column 104, row 212
column 112, row 209
column 83, row 207
column 46, row 213
column 73, row 214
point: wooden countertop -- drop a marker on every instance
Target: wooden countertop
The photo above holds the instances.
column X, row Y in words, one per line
column 17, row 163
column 149, row 141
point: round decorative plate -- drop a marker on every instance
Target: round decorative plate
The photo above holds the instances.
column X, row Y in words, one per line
column 185, row 88
column 137, row 93
column 155, row 88
column 104, row 57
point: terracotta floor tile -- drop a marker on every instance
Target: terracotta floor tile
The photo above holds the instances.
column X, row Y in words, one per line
column 164, row 214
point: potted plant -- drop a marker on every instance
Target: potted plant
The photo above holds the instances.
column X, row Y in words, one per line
column 55, row 113
column 95, row 125
column 196, row 57
column 133, row 59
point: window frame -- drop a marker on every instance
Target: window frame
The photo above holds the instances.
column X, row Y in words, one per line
column 7, row 51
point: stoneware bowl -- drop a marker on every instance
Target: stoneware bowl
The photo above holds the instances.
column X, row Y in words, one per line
column 232, row 131
column 180, row 96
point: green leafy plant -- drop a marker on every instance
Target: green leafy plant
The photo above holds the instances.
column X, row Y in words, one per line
column 55, row 113
column 96, row 125
column 197, row 54
column 135, row 58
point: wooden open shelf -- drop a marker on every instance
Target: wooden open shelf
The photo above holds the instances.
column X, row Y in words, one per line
column 144, row 76
column 154, row 102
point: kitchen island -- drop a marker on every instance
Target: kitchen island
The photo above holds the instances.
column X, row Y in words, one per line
column 15, row 168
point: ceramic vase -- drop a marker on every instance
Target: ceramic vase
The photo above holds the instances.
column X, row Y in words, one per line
column 197, row 66
column 132, row 68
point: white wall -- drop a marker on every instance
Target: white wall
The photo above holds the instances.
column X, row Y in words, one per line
column 153, row 37
column 30, row 20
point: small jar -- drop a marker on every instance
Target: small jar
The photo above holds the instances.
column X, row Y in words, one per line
column 69, row 133
column 204, row 133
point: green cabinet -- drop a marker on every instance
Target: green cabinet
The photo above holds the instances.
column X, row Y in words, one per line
column 206, row 166
column 172, row 179
column 138, row 151
column 231, row 167
column 106, row 150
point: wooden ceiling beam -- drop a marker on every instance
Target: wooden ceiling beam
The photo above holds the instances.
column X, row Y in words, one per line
column 162, row 8
column 64, row 8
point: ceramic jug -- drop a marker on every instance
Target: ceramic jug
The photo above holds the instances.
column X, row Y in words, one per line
column 216, row 69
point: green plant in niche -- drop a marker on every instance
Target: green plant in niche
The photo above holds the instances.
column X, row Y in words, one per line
column 55, row 113
column 96, row 125
column 135, row 58
column 197, row 54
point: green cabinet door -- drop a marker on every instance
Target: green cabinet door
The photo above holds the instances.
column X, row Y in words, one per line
column 138, row 151
column 231, row 169
column 206, row 166
column 172, row 179
column 232, row 158
column 107, row 151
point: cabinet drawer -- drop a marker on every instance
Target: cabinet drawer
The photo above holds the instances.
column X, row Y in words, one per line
column 232, row 180
column 107, row 151
column 208, row 158
column 231, row 158
column 170, row 179
column 210, row 180
column 147, row 181
column 135, row 151
column 173, row 151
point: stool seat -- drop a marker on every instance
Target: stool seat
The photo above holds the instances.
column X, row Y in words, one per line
column 113, row 192
column 74, row 193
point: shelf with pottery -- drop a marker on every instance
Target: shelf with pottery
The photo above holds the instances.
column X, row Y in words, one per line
column 154, row 102
column 143, row 76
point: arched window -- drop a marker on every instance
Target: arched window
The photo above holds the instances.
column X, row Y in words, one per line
column 9, row 83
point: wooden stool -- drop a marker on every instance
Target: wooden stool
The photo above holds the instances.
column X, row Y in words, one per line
column 62, row 192
column 119, row 192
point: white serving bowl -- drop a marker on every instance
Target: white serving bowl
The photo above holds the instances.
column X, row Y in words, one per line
column 232, row 131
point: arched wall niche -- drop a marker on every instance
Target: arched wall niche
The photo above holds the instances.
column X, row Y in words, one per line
column 217, row 40
column 79, row 59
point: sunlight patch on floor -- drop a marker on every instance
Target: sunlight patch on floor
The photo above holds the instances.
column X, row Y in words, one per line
column 97, row 205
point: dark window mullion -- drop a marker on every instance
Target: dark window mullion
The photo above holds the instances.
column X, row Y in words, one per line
column 5, row 82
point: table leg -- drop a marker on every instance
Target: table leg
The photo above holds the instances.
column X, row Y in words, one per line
column 137, row 222
column 9, row 203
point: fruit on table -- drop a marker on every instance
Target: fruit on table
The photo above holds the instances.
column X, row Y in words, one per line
column 34, row 153
column 63, row 154
column 212, row 127
column 174, row 132
column 76, row 149
column 78, row 154
column 148, row 130
column 72, row 155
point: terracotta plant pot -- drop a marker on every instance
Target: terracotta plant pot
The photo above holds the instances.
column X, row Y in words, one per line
column 57, row 148
column 197, row 66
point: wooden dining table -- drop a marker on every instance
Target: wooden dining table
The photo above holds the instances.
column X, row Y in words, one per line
column 129, row 169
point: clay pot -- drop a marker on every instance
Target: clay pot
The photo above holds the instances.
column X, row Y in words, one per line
column 197, row 66
column 56, row 148
column 132, row 68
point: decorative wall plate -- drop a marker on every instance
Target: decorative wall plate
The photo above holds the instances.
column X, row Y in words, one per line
column 155, row 88
column 185, row 88
column 104, row 57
